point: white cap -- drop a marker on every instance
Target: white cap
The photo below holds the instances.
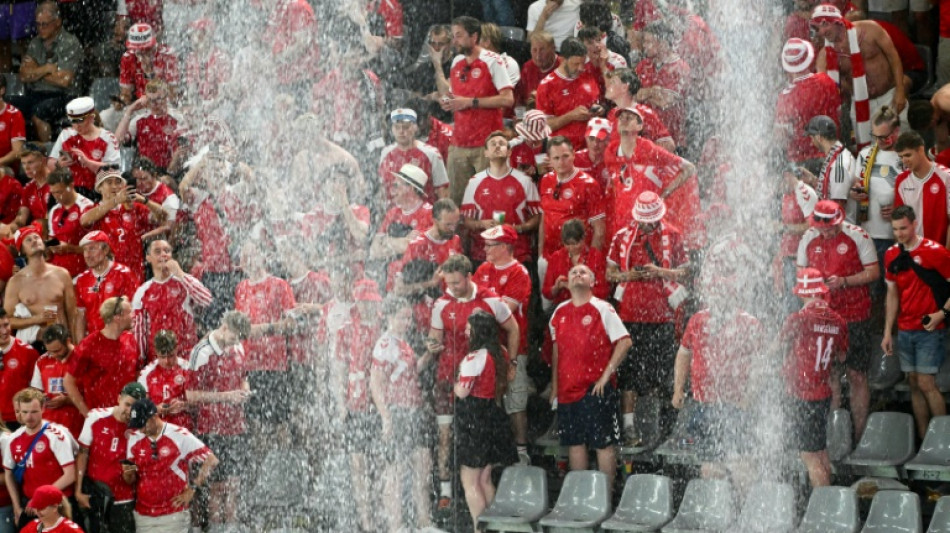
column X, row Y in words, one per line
column 80, row 107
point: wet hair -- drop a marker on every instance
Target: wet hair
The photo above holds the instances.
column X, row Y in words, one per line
column 440, row 29
column 572, row 47
column 155, row 86
column 589, row 33
column 542, row 37
column 627, row 76
column 111, row 307
column 457, row 263
column 443, row 205
column 56, row 333
column 393, row 304
column 886, row 115
column 573, row 231
column 471, row 25
column 60, row 176
column 484, row 335
column 596, row 14
column 919, row 115
column 151, row 245
column 28, row 395
column 492, row 135
column 909, row 140
column 559, row 140
column 661, row 30
column 165, row 342
column 902, row 212
column 237, row 322
column 143, row 163
column 32, row 148
column 492, row 34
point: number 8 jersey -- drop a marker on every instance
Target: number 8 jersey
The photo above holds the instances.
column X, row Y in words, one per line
column 812, row 336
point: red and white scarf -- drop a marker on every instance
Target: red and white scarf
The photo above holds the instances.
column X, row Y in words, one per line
column 675, row 293
column 859, row 82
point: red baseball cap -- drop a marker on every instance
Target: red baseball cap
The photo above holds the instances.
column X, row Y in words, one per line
column 827, row 214
column 45, row 496
column 504, row 234
column 95, row 236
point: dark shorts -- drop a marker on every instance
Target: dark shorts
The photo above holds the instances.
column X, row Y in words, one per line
column 648, row 365
column 590, row 421
column 50, row 107
column 921, row 351
column 859, row 345
column 483, row 434
column 361, row 431
column 17, row 21
column 720, row 431
column 268, row 403
column 232, row 452
column 443, row 396
column 808, row 423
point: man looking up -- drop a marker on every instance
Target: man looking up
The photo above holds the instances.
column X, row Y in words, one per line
column 569, row 95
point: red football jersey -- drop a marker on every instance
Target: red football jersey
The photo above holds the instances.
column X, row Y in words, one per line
column 19, row 359
column 164, row 67
column 482, row 78
column 674, row 77
column 513, row 194
column 168, row 304
column 11, row 197
column 12, row 128
column 63, row 525
column 125, row 227
column 418, row 218
column 63, row 225
column 627, row 183
column 531, row 77
column 477, row 372
column 216, row 369
column 845, row 254
column 205, row 75
column 929, row 198
column 653, row 128
column 722, row 354
column 92, row 291
column 163, row 474
column 265, row 301
column 599, row 171
column 816, row 334
column 391, row 13
column 395, row 359
column 53, row 453
column 421, row 155
column 585, row 336
column 645, row 301
column 915, row 296
column 156, row 137
column 796, row 206
column 167, row 384
column 804, row 98
column 214, row 239
column 427, row 248
column 48, row 375
column 578, row 197
column 104, row 437
column 36, row 199
column 311, row 288
column 450, row 316
column 513, row 284
column 103, row 148
column 558, row 95
column 559, row 264
column 103, row 366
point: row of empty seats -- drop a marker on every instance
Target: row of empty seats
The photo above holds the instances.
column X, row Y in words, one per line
column 521, row 504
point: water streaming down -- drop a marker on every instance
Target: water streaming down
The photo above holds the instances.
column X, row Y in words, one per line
column 301, row 475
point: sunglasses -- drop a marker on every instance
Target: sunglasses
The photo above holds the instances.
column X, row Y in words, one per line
column 154, row 449
column 77, row 120
column 95, row 288
column 883, row 137
column 463, row 77
column 818, row 218
column 557, row 191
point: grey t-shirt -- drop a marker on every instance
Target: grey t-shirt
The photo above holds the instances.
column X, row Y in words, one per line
column 64, row 50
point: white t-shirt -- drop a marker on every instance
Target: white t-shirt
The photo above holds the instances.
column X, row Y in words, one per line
column 887, row 166
column 560, row 24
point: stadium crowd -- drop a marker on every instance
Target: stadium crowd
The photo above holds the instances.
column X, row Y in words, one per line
column 235, row 227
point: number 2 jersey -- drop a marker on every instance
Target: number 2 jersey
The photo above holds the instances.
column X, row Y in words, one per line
column 814, row 335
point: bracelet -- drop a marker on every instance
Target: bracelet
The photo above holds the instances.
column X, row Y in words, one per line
column 844, row 280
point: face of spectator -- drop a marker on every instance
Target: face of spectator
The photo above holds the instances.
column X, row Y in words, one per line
column 86, row 125
column 886, row 135
column 447, row 223
column 628, row 123
column 401, row 191
column 614, row 89
column 651, row 45
column 463, row 41
column 31, row 414
column 63, row 194
column 123, row 410
column 596, row 147
column 574, row 248
column 496, row 253
column 33, row 165
column 4, row 331
column 594, row 47
column 404, row 132
column 123, row 317
column 573, row 65
column 369, row 311
column 829, row 233
column 561, row 157
column 111, row 186
column 228, row 338
column 158, row 254
column 826, row 30
column 580, row 277
column 157, row 102
column 904, row 230
column 543, row 54
column 47, row 25
column 57, row 349
column 459, row 284
column 252, row 260
column 440, row 42
column 496, row 148
column 96, row 255
column 144, row 180
column 914, row 159
column 400, row 322
column 33, row 245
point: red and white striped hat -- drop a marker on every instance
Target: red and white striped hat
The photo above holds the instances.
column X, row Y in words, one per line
column 809, row 283
column 599, row 128
column 797, row 55
column 827, row 214
column 649, row 208
column 826, row 13
column 140, row 37
column 534, row 127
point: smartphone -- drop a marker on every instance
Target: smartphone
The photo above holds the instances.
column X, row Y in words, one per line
column 52, row 242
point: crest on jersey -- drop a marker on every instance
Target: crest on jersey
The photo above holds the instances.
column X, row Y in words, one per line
column 97, row 155
column 568, row 194
column 40, row 447
column 476, row 73
column 179, row 379
column 13, row 363
column 109, row 287
column 503, row 280
column 917, row 259
column 74, row 216
column 934, row 189
column 587, row 320
column 164, row 451
column 510, row 191
column 842, row 248
column 126, row 217
column 3, row 126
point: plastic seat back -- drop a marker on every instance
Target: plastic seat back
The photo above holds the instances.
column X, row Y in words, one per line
column 101, row 89
column 645, row 501
column 15, row 87
column 887, row 440
column 935, row 450
column 707, row 505
column 927, row 55
column 522, row 493
column 513, row 32
column 769, row 508
column 831, row 510
column 839, row 434
column 584, row 498
column 647, row 413
column 894, row 511
column 940, row 521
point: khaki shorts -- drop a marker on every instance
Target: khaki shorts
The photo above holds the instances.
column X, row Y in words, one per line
column 178, row 522
column 516, row 399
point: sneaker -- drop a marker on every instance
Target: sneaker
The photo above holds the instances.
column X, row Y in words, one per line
column 631, row 437
column 524, row 459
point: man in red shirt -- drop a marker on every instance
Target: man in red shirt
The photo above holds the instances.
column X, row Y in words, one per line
column 500, row 195
column 590, row 343
column 569, row 96
column 544, row 60
column 409, row 216
column 911, row 303
column 448, row 342
column 84, row 147
column 50, row 461
column 12, row 131
column 846, row 257
column 104, row 361
column 811, row 339
column 35, row 196
column 591, row 159
column 925, row 187
column 568, row 193
column 48, row 376
column 407, row 150
column 621, row 88
column 218, row 385
column 503, row 273
column 436, row 244
column 100, row 490
column 646, row 259
column 145, row 60
column 161, row 455
column 148, row 182
column 11, row 196
column 154, row 131
column 17, row 360
column 478, row 90
column 806, row 96
column 165, row 379
column 64, row 225
column 103, row 279
column 665, row 79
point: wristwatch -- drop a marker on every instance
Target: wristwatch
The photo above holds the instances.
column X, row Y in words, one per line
column 474, row 103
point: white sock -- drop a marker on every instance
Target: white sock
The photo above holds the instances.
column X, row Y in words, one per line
column 446, row 488
column 627, row 420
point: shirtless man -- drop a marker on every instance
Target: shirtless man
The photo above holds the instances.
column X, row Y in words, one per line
column 882, row 65
column 941, row 119
column 321, row 158
column 45, row 289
